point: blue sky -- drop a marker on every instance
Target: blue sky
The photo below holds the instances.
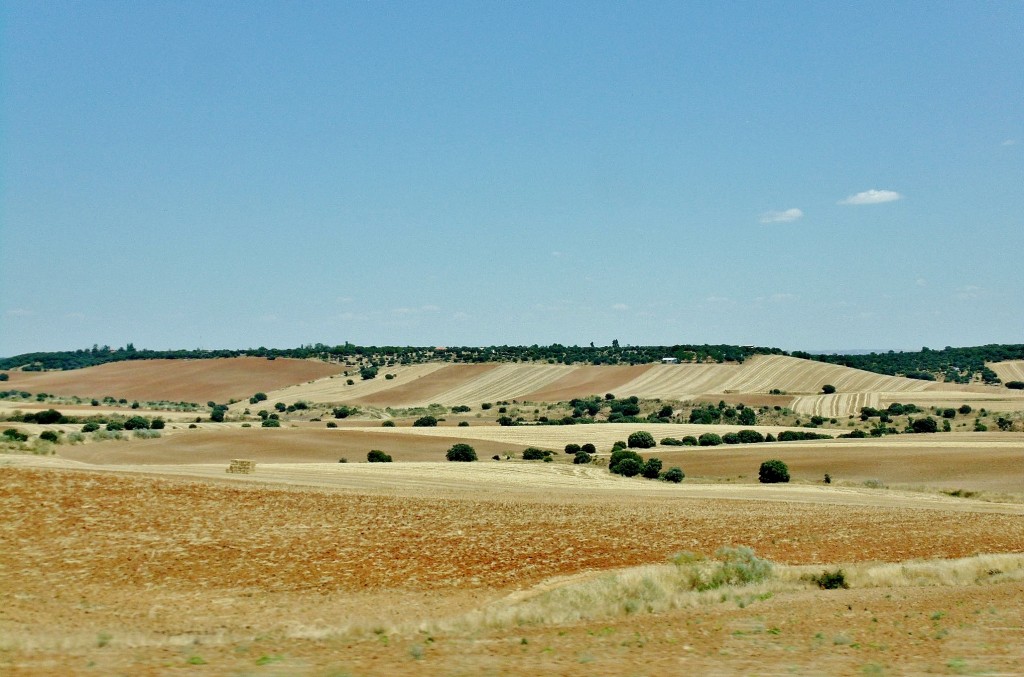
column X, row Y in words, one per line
column 230, row 175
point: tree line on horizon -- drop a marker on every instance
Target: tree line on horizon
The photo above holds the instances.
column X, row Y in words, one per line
column 957, row 365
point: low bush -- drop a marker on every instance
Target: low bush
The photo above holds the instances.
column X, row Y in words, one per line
column 461, row 452
column 332, row 424
column 674, row 474
column 50, row 436
column 535, row 454
column 13, row 435
column 731, row 438
column 773, row 472
column 689, row 441
column 387, row 424
column 460, row 409
column 271, row 423
column 425, row 422
column 831, row 580
column 146, row 433
column 582, row 458
column 572, row 448
column 377, row 456
column 652, row 468
column 709, row 440
column 750, row 437
column 91, row 426
column 589, row 448
column 640, row 440
column 671, row 442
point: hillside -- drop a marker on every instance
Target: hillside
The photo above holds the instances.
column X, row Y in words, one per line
column 199, row 381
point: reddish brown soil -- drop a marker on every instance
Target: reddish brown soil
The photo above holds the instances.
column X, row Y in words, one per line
column 586, row 381
column 425, row 387
column 274, row 446
column 139, row 575
column 200, row 381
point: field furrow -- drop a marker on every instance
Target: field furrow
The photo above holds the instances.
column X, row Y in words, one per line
column 505, row 382
column 678, row 381
column 1011, row 370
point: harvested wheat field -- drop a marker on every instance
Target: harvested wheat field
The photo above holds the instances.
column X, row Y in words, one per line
column 114, row 573
column 200, row 381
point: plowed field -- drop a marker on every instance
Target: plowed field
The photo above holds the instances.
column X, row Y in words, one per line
column 118, row 574
column 175, row 380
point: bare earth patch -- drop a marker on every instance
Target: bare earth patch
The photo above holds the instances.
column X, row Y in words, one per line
column 113, row 573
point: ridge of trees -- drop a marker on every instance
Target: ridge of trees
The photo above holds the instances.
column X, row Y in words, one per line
column 956, row 365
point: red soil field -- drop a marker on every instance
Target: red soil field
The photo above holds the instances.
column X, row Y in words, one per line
column 199, row 381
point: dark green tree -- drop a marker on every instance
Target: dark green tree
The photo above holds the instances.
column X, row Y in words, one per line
column 773, row 472
column 461, row 452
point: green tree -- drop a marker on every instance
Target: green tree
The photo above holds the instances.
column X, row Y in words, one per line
column 425, row 422
column 925, row 425
column 137, row 423
column 709, row 440
column 461, row 452
column 652, row 468
column 772, row 472
column 828, row 389
column 640, row 440
column 674, row 474
column 377, row 456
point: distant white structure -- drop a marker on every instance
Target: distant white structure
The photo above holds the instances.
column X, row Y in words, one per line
column 670, row 360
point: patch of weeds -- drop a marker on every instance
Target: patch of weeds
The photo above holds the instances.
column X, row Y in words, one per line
column 938, row 615
column 103, row 639
column 268, row 660
column 874, row 484
column 957, row 666
column 872, row 669
column 585, row 658
column 841, row 640
column 416, row 652
column 196, row 660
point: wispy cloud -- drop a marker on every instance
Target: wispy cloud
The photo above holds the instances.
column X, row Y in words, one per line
column 969, row 292
column 871, row 197
column 783, row 216
column 19, row 312
column 620, row 307
column 1009, row 142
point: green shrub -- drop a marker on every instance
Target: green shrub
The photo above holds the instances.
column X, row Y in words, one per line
column 137, row 423
column 377, row 456
column 366, row 373
column 628, row 467
column 828, row 389
column 535, row 454
column 460, row 409
column 50, row 436
column 750, row 437
column 425, row 422
column 671, row 442
column 773, row 472
column 271, row 423
column 831, row 580
column 589, row 448
column 925, row 425
column 582, row 458
column 709, row 440
column 731, row 438
column 91, row 426
column 461, row 452
column 572, row 448
column 332, row 424
column 387, row 424
column 740, row 566
column 674, row 474
column 76, row 438
column 114, row 426
column 689, row 441
column 652, row 468
column 157, row 424
column 640, row 440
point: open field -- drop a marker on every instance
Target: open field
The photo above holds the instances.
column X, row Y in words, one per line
column 1011, row 370
column 176, row 380
column 123, row 573
column 143, row 556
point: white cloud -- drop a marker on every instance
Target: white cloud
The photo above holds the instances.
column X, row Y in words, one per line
column 460, row 315
column 1010, row 142
column 921, row 282
column 969, row 292
column 20, row 312
column 782, row 217
column 871, row 197
column 620, row 306
column 782, row 297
